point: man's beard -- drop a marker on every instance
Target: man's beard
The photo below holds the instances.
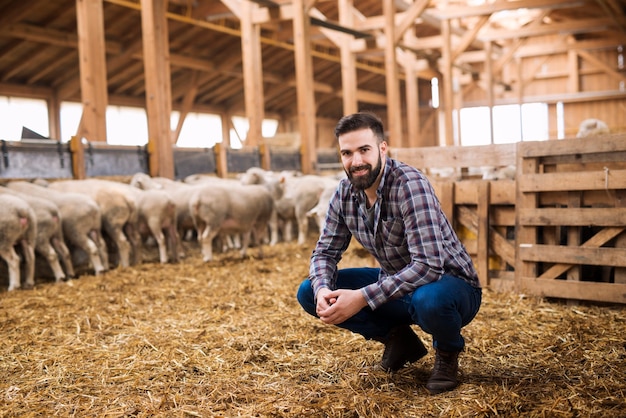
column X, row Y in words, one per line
column 367, row 180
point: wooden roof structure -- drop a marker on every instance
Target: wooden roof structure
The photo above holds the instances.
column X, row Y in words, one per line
column 295, row 59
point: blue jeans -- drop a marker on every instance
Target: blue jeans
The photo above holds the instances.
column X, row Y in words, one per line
column 441, row 308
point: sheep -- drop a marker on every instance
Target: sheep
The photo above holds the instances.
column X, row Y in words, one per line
column 156, row 215
column 81, row 221
column 319, row 211
column 499, row 173
column 119, row 215
column 17, row 228
column 301, row 195
column 592, row 127
column 218, row 208
column 49, row 242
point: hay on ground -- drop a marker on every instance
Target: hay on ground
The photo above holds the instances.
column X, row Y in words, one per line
column 228, row 339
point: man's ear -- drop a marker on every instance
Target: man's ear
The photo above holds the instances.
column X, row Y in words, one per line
column 383, row 147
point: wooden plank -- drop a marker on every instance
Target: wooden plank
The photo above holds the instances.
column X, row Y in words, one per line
column 595, row 180
column 392, row 79
column 592, row 291
column 502, row 247
column 348, row 59
column 594, row 256
column 573, row 216
column 502, row 192
column 457, row 156
column 482, row 212
column 525, row 235
column 92, row 62
column 158, row 86
column 446, row 198
column 253, row 78
column 597, row 240
column 304, row 85
column 573, row 146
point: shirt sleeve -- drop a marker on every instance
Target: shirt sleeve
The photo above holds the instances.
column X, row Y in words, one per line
column 329, row 249
column 419, row 239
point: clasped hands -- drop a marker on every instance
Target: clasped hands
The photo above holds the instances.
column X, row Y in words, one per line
column 336, row 306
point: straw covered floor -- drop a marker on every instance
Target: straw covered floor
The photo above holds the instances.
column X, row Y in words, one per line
column 227, row 338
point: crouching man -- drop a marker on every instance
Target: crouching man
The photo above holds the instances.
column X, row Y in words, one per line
column 425, row 277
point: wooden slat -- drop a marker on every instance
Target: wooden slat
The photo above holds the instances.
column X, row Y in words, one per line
column 597, row 240
column 457, row 156
column 502, row 247
column 592, row 291
column 158, row 86
column 482, row 213
column 595, row 180
column 573, row 146
column 594, row 256
column 573, row 216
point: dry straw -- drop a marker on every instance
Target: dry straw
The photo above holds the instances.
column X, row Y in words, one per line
column 228, row 339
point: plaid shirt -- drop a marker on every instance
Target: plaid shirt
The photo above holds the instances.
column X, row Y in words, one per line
column 412, row 238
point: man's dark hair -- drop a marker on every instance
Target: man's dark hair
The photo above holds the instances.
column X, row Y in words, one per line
column 358, row 121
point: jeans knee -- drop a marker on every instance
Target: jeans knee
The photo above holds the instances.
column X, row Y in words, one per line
column 305, row 297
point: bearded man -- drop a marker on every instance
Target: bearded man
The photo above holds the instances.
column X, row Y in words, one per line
column 426, row 276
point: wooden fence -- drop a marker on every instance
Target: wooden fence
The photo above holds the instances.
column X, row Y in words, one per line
column 557, row 230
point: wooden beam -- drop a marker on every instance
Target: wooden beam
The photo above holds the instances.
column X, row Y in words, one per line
column 571, row 27
column 348, row 60
column 408, row 20
column 158, row 87
column 253, row 79
column 186, row 106
column 448, row 95
column 394, row 109
column 304, row 79
column 92, row 62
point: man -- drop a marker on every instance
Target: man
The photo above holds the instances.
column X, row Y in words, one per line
column 425, row 277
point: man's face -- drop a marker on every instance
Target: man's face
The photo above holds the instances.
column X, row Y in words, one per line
column 361, row 156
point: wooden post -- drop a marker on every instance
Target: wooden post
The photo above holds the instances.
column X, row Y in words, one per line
column 348, row 60
column 447, row 101
column 158, row 86
column 394, row 108
column 92, row 63
column 304, row 81
column 78, row 158
column 253, row 78
column 482, row 210
column 412, row 101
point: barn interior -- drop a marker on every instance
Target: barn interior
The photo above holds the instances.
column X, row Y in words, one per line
column 227, row 338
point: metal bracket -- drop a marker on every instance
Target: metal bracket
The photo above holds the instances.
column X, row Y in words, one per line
column 5, row 153
column 60, row 151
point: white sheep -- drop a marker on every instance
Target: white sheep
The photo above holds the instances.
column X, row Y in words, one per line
column 17, row 228
column 592, row 127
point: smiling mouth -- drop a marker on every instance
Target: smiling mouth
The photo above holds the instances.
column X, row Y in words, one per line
column 359, row 170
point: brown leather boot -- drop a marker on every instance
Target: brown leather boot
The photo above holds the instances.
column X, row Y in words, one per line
column 402, row 346
column 445, row 371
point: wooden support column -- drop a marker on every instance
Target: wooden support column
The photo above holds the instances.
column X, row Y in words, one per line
column 412, row 101
column 305, row 90
column 54, row 116
column 394, row 108
column 92, row 64
column 220, row 148
column 156, row 55
column 446, row 104
column 489, row 81
column 483, row 232
column 348, row 60
column 253, row 79
column 187, row 104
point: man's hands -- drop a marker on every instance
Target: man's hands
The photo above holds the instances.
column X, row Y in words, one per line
column 336, row 306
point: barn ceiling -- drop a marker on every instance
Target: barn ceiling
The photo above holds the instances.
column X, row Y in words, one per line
column 39, row 45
